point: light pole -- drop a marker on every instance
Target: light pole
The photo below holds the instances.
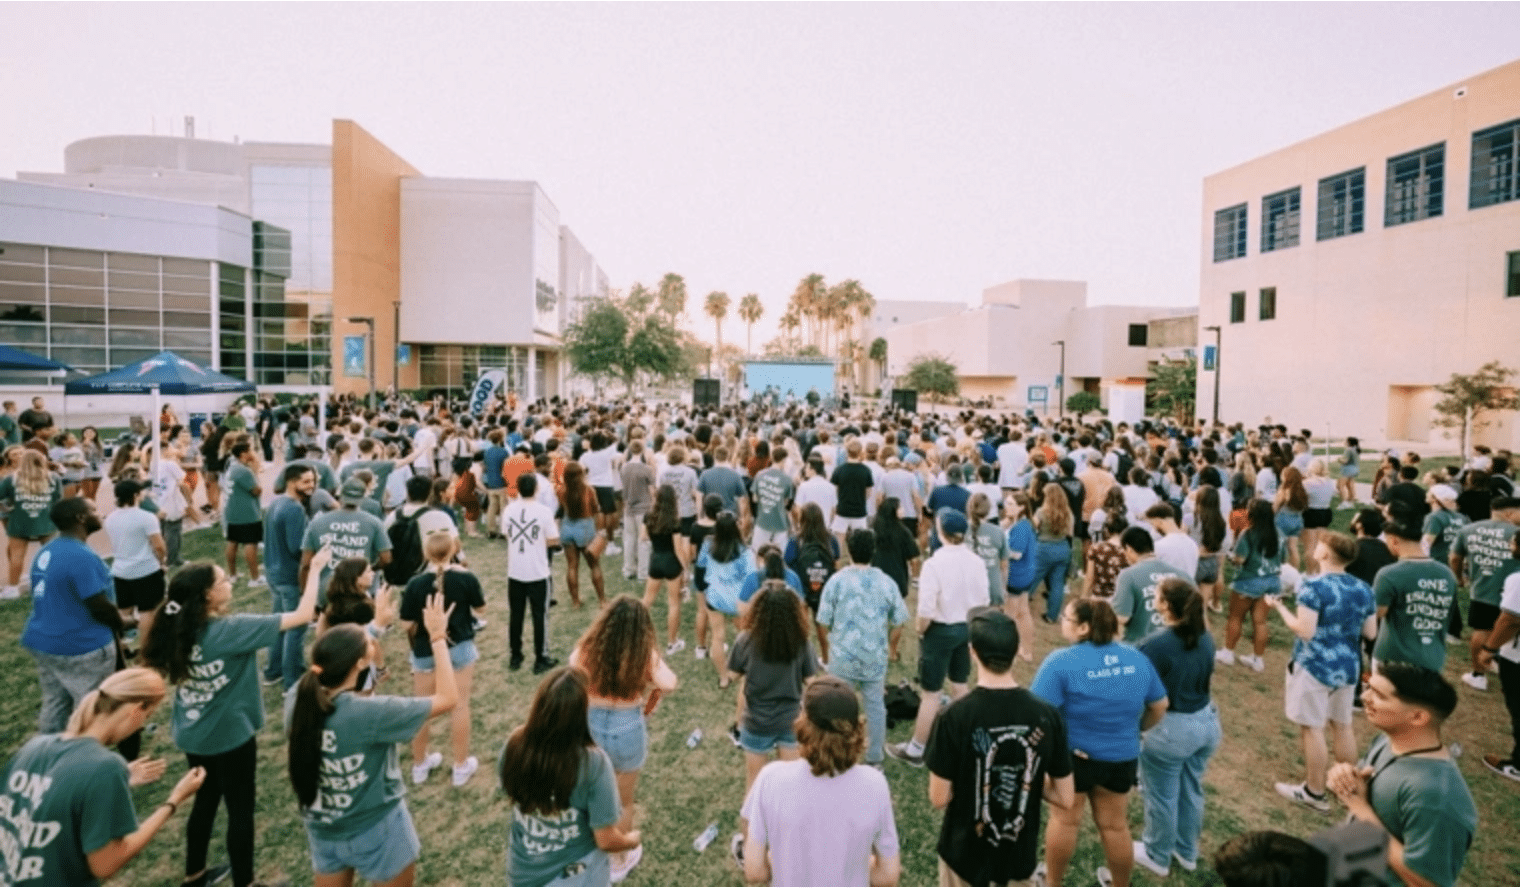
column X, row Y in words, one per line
column 369, row 335
column 1215, row 330
column 396, row 353
column 1061, row 382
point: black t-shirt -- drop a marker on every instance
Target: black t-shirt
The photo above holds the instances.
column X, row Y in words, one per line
column 853, row 480
column 894, row 550
column 1372, row 555
column 460, row 588
column 1408, row 496
column 996, row 747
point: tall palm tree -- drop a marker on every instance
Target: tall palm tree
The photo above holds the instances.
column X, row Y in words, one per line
column 672, row 295
column 716, row 307
column 750, row 311
column 808, row 300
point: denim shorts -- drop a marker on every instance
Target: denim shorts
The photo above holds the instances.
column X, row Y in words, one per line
column 1289, row 524
column 461, row 655
column 621, row 733
column 943, row 651
column 378, row 854
column 578, row 532
column 761, row 744
column 1256, row 587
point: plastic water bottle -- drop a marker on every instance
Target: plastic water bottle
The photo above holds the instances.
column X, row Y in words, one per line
column 706, row 838
column 1455, row 749
column 692, row 741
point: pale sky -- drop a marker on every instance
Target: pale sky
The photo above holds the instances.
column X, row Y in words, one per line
column 927, row 150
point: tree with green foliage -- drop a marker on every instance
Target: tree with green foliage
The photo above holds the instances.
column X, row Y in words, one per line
column 1467, row 400
column 750, row 311
column 1173, row 390
column 1083, row 402
column 716, row 307
column 878, row 354
column 620, row 338
column 671, row 296
column 933, row 375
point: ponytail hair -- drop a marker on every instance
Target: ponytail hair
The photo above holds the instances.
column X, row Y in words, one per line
column 1098, row 614
column 178, row 621
column 977, row 509
column 136, row 685
column 333, row 657
column 1185, row 605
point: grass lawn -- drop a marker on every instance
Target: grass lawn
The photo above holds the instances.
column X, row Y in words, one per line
column 464, row 830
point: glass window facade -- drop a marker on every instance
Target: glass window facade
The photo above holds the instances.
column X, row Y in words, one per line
column 1280, row 215
column 1230, row 233
column 97, row 311
column 457, row 366
column 1416, row 185
column 1342, row 204
column 292, row 286
column 1495, row 165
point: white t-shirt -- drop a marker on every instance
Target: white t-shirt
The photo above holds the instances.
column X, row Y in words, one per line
column 598, row 465
column 1012, row 457
column 166, row 492
column 528, row 526
column 789, row 808
column 817, row 489
column 1180, row 551
column 1137, row 500
column 426, row 440
column 953, row 581
column 1509, row 600
column 129, row 530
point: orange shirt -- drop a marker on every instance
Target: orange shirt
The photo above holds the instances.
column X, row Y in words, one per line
column 516, row 465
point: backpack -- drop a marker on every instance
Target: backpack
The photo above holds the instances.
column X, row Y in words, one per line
column 814, row 566
column 902, row 704
column 406, row 548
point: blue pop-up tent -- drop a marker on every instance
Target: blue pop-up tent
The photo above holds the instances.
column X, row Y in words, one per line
column 14, row 359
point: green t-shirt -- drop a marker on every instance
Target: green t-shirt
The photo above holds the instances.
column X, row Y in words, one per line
column 62, row 799
column 29, row 518
column 1417, row 593
column 1485, row 547
column 381, row 467
column 773, row 489
column 1425, row 804
column 10, row 429
column 242, row 504
column 219, row 707
column 1135, row 597
column 1442, row 526
column 360, row 780
column 351, row 533
column 1255, row 561
column 541, row 846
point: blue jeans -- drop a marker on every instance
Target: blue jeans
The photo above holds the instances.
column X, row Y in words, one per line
column 1051, row 561
column 1173, row 757
column 287, row 656
column 874, row 694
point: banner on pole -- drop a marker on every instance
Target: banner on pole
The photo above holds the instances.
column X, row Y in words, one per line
column 490, row 382
column 353, row 357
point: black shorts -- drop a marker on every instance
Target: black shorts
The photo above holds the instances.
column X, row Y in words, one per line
column 606, row 500
column 143, row 593
column 1314, row 519
column 251, row 533
column 911, row 524
column 1116, row 777
column 687, row 524
column 1481, row 616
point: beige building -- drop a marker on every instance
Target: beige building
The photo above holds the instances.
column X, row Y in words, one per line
column 1351, row 273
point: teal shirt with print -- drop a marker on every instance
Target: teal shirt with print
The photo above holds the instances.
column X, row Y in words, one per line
column 1442, row 526
column 1417, row 593
column 62, row 799
column 773, row 490
column 542, row 845
column 219, row 707
column 1485, row 548
column 360, row 780
column 1255, row 562
column 29, row 517
column 1425, row 804
column 352, row 533
column 10, row 430
column 242, row 503
column 860, row 605
column 1135, row 597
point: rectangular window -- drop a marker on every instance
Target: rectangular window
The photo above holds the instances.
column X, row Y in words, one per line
column 1342, row 199
column 1230, row 233
column 1268, row 303
column 1513, row 262
column 1138, row 334
column 1416, row 186
column 1238, row 307
column 1495, row 176
column 1279, row 220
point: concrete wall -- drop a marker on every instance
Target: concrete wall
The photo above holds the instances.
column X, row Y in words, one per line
column 1366, row 323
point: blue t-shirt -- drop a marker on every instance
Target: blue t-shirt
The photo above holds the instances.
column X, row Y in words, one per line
column 1344, row 603
column 1021, row 538
column 284, row 529
column 756, row 579
column 64, row 574
column 1102, row 691
column 724, row 578
column 492, row 459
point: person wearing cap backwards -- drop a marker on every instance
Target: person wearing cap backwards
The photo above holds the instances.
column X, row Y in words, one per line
column 1407, row 783
column 824, row 792
column 993, row 756
column 951, row 583
column 138, row 556
column 1481, row 556
column 350, row 532
column 1439, row 531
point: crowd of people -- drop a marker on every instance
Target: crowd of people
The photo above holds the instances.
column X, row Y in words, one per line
column 823, row 538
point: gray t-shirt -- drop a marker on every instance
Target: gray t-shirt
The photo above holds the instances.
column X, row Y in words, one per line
column 1135, row 597
column 638, row 487
column 901, row 484
column 684, row 479
column 541, row 846
column 772, row 690
column 351, row 533
column 789, row 808
column 724, row 482
column 1424, row 803
column 62, row 799
column 219, row 707
column 773, row 490
column 1417, row 593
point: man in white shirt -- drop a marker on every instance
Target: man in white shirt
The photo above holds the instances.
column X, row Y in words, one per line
column 816, row 489
column 1012, row 457
column 425, row 442
column 1173, row 547
column 950, row 584
column 530, row 530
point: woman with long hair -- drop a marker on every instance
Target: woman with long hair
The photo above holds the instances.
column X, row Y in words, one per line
column 94, row 458
column 577, row 530
column 1289, row 505
column 213, row 464
column 31, row 492
column 1350, row 466
column 896, row 549
column 67, row 454
column 1021, row 569
column 725, row 562
column 1207, row 527
column 662, row 527
column 772, row 655
column 1108, row 693
column 75, row 778
column 348, row 598
column 625, row 678
column 565, row 810
column 1175, row 753
column 813, row 554
column 461, row 592
column 1104, row 558
column 1319, row 494
column 342, row 755
column 1053, row 527
column 1258, row 563
column 212, row 657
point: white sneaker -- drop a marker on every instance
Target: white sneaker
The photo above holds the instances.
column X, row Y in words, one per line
column 1105, row 877
column 463, row 773
column 1189, row 865
column 1144, row 859
column 1297, row 792
column 1038, row 879
column 1476, row 682
column 1255, row 663
column 630, row 860
column 700, row 653
column 260, row 583
column 1225, row 656
column 613, row 549
column 10, row 593
column 675, row 647
column 421, row 771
